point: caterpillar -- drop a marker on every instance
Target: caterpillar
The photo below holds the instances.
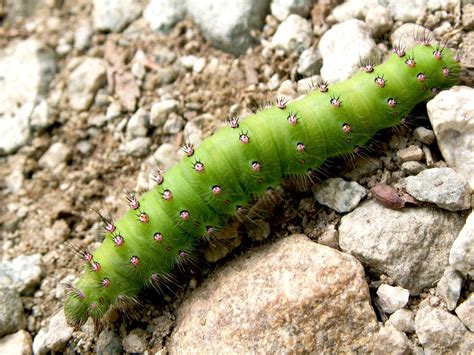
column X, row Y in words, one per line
column 245, row 160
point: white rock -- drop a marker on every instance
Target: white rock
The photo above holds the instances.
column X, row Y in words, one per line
column 15, row 130
column 412, row 167
column 465, row 312
column 353, row 9
column 407, row 11
column 424, row 135
column 449, row 287
column 55, row 336
column 391, row 298
column 166, row 156
column 41, row 116
column 411, row 246
column 442, row 186
column 309, row 62
column 162, row 15
column 161, row 110
column 138, row 124
column 16, row 343
column 25, row 272
column 293, row 35
column 390, row 340
column 199, row 65
column 379, row 20
column 404, row 320
column 82, row 37
column 137, row 147
column 84, row 82
column 461, row 256
column 451, row 114
column 411, row 153
column 343, row 48
column 281, row 9
column 115, row 15
column 338, row 194
column 55, row 156
column 15, row 180
column 174, row 124
column 406, row 35
column 227, row 24
column 113, row 111
column 12, row 316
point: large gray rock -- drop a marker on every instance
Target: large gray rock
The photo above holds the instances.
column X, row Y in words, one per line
column 339, row 194
column 461, row 256
column 293, row 35
column 24, row 272
column 227, row 24
column 451, row 114
column 15, row 129
column 293, row 296
column 54, row 337
column 162, row 15
column 343, row 48
column 115, row 15
column 410, row 245
column 16, row 343
column 465, row 312
column 12, row 317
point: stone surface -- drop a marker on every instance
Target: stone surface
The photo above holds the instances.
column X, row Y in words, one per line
column 343, row 48
column 226, row 25
column 174, row 124
column 424, row 135
column 137, row 147
column 108, row 343
column 411, row 153
column 389, row 340
column 54, row 337
column 468, row 16
column 166, row 156
column 309, row 62
column 281, row 9
column 161, row 110
column 338, row 194
column 138, row 124
column 15, row 129
column 57, row 154
column 84, row 82
column 41, row 116
column 449, row 287
column 379, row 20
column 294, row 296
column 82, row 37
column 25, row 273
column 442, row 186
column 411, row 246
column 353, row 9
column 115, row 15
column 404, row 320
column 412, row 167
column 461, row 256
column 440, row 331
column 293, row 35
column 465, row 312
column 162, row 15
column 134, row 342
column 406, row 34
column 16, row 343
column 406, row 11
column 391, row 298
column 12, row 317
column 451, row 114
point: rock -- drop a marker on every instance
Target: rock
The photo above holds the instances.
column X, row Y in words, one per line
column 343, row 48
column 280, row 298
column 82, row 37
column 451, row 114
column 287, row 90
column 166, row 156
column 55, row 336
column 407, row 11
column 353, row 9
column 108, row 343
column 15, row 130
column 161, row 110
column 174, row 124
column 440, row 331
column 227, row 25
column 84, row 82
column 309, row 62
column 115, row 15
column 281, row 9
column 412, row 167
column 338, row 194
column 25, row 273
column 449, row 287
column 15, row 180
column 468, row 16
column 389, row 340
column 17, row 343
column 138, row 125
column 55, row 157
column 411, row 246
column 137, row 147
column 461, row 256
column 379, row 20
column 41, row 117
column 193, row 130
column 403, row 320
column 465, row 312
column 258, row 230
column 134, row 342
column 162, row 15
column 12, row 317
column 406, row 35
column 293, row 35
column 391, row 298
column 441, row 186
column 412, row 153
column 424, row 135
column 114, row 110
column 329, row 237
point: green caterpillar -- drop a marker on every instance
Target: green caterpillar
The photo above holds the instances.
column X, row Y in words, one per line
column 245, row 160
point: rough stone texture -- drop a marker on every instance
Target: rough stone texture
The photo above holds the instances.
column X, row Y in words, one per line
column 227, row 24
column 389, row 340
column 403, row 320
column 379, row 20
column 406, row 11
column 424, row 135
column 411, row 246
column 17, row 343
column 294, row 296
column 281, row 9
column 406, row 33
column 449, row 287
column 461, row 256
column 108, row 343
column 162, row 15
column 440, row 331
column 338, row 194
column 115, row 15
column 465, row 312
column 137, row 147
column 343, row 48
column 58, row 154
column 12, row 317
column 15, row 129
column 412, row 167
column 309, row 62
column 138, row 124
column 134, row 342
column 161, row 110
column 54, row 337
column 392, row 298
column 84, row 82
column 468, row 16
column 442, row 186
column 25, row 273
column 451, row 114
column 353, row 9
column 411, row 153
column 293, row 35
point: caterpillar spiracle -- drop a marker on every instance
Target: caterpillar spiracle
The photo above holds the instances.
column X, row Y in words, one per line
column 243, row 161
